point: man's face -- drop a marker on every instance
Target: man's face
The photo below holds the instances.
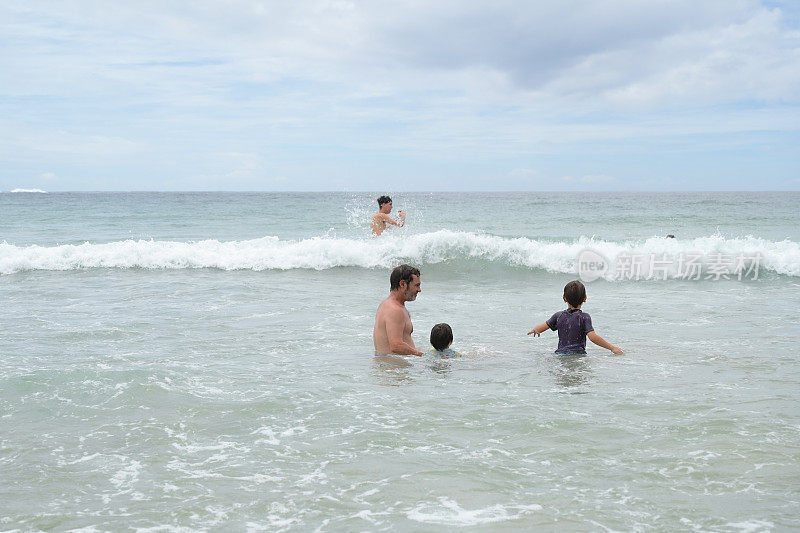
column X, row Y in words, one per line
column 412, row 289
column 386, row 208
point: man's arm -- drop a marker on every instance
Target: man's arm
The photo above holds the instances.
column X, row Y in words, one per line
column 390, row 220
column 598, row 340
column 539, row 329
column 395, row 323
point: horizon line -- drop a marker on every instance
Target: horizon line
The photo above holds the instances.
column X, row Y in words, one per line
column 21, row 190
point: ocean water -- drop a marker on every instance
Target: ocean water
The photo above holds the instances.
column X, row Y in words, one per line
column 203, row 361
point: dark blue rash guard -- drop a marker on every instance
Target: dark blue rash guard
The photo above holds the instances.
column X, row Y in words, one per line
column 572, row 326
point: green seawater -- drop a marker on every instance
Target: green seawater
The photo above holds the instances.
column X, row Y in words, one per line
column 203, row 361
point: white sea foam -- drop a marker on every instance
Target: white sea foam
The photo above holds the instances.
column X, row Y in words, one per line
column 750, row 526
column 29, row 190
column 127, row 476
column 449, row 513
column 319, row 253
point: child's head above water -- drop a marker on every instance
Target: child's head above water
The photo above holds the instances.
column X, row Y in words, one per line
column 441, row 336
column 574, row 293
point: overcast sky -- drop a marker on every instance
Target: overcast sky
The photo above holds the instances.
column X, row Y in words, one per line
column 400, row 95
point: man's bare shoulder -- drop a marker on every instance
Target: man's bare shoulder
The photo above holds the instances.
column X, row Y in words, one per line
column 389, row 307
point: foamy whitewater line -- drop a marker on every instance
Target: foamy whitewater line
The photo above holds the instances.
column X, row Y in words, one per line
column 321, row 253
column 29, row 190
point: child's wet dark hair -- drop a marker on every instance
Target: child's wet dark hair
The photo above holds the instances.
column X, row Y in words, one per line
column 574, row 293
column 441, row 336
column 383, row 200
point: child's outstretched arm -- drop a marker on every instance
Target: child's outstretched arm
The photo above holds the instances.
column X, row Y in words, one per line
column 598, row 340
column 539, row 329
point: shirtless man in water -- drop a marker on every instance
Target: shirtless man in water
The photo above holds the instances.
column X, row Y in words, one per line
column 393, row 328
column 381, row 218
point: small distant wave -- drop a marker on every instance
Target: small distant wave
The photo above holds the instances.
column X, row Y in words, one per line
column 29, row 190
column 320, row 253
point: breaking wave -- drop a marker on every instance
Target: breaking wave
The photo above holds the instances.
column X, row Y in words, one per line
column 319, row 253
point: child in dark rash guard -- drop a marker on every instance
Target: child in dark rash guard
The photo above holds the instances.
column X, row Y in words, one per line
column 573, row 325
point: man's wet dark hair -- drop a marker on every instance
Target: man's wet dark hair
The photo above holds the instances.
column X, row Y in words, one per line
column 383, row 200
column 574, row 293
column 441, row 336
column 402, row 273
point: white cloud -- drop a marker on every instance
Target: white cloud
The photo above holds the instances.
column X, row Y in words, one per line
column 239, row 90
column 592, row 179
column 523, row 173
column 751, row 60
column 622, row 50
column 246, row 165
column 65, row 142
column 614, row 49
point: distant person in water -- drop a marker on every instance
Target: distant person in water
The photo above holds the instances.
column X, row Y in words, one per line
column 381, row 218
column 441, row 340
column 393, row 327
column 573, row 325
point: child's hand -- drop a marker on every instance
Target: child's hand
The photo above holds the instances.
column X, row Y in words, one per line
column 616, row 350
column 535, row 333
